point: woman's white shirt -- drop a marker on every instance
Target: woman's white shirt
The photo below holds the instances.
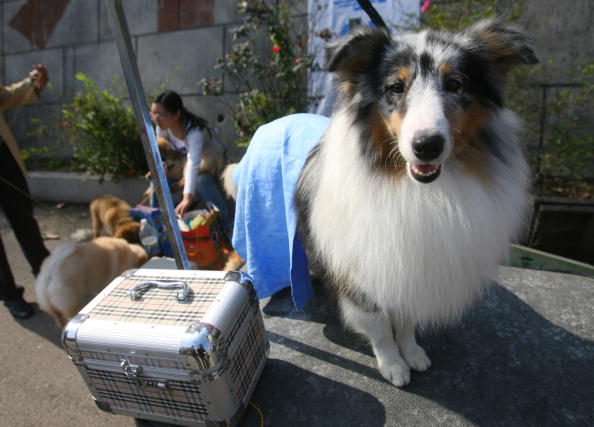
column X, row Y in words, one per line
column 192, row 146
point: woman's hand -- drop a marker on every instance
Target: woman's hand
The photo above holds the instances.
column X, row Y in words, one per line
column 38, row 76
column 184, row 205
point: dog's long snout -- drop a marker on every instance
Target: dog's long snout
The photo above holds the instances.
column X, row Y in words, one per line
column 428, row 147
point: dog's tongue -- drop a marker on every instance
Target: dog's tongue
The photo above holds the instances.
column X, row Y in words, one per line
column 425, row 169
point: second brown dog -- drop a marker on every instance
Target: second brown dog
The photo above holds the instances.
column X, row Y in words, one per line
column 113, row 214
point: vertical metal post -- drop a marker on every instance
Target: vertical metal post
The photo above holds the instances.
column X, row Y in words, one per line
column 147, row 133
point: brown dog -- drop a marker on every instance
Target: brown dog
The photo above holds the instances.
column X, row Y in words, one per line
column 75, row 271
column 233, row 262
column 212, row 162
column 114, row 214
column 174, row 163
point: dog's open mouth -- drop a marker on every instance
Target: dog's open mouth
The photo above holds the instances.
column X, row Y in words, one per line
column 425, row 173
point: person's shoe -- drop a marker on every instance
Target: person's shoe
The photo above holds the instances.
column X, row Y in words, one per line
column 19, row 308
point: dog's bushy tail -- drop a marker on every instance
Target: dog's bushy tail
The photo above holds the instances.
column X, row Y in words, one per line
column 49, row 277
column 227, row 180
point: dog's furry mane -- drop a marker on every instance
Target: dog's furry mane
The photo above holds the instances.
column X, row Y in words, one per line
column 474, row 208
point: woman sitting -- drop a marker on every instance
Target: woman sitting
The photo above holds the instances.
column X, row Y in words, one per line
column 191, row 135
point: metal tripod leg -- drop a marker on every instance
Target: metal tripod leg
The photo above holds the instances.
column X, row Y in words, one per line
column 147, row 133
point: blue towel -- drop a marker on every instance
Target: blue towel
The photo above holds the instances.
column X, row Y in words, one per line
column 265, row 231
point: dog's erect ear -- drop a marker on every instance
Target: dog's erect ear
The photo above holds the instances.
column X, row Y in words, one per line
column 505, row 44
column 357, row 52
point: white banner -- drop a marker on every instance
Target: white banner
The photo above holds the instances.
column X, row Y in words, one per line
column 337, row 17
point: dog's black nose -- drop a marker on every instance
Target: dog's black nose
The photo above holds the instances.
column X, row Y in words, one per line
column 428, row 147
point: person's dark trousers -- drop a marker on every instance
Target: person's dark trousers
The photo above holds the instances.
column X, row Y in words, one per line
column 18, row 209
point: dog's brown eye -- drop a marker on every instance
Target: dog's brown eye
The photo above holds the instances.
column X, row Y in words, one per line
column 453, row 85
column 397, row 87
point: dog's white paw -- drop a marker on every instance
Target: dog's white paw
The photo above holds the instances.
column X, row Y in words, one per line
column 416, row 357
column 397, row 372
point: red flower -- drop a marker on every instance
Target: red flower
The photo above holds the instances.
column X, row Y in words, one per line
column 276, row 49
column 64, row 124
column 426, row 6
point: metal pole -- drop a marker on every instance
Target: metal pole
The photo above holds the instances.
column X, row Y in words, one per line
column 147, row 133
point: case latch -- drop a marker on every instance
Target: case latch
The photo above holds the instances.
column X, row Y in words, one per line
column 133, row 372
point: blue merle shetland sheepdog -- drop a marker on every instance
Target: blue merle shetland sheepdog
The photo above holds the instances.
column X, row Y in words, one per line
column 411, row 198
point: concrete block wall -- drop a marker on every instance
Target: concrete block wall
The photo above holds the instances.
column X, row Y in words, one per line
column 178, row 41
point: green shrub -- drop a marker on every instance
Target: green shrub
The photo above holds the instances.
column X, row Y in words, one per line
column 569, row 143
column 98, row 128
column 103, row 132
column 267, row 67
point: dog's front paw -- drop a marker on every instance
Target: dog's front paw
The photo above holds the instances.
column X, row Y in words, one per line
column 416, row 358
column 397, row 372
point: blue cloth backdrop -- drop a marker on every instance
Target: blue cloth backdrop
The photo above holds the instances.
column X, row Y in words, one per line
column 265, row 222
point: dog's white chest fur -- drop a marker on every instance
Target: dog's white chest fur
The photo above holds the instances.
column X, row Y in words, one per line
column 418, row 251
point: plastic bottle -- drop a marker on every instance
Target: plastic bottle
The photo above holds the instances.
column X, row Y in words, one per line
column 149, row 238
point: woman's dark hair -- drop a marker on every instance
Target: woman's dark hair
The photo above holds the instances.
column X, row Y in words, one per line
column 172, row 102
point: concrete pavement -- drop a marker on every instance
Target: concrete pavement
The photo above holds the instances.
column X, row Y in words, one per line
column 38, row 385
column 522, row 357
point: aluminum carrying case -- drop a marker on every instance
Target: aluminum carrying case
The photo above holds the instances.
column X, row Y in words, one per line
column 176, row 346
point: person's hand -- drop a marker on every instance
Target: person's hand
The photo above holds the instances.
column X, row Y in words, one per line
column 184, row 205
column 38, row 76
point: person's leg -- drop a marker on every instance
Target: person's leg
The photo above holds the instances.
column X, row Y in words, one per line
column 18, row 208
column 207, row 189
column 10, row 293
column 8, row 288
column 19, row 212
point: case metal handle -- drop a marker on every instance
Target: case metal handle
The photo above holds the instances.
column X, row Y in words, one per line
column 182, row 295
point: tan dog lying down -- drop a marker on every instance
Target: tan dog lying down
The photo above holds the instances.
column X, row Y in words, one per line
column 76, row 270
column 114, row 214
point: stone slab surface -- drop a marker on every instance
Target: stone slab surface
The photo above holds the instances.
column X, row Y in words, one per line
column 522, row 356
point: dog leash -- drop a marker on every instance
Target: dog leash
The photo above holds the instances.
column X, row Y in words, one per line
column 372, row 13
column 30, row 197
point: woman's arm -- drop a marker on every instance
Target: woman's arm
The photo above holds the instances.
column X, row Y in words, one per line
column 194, row 144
